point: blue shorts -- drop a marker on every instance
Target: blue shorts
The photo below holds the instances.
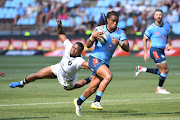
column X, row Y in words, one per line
column 158, row 55
column 94, row 64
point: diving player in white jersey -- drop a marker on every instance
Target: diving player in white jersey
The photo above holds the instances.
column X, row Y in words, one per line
column 66, row 70
column 99, row 60
column 158, row 33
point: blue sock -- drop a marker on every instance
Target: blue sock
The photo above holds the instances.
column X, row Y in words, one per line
column 98, row 96
column 162, row 79
column 81, row 100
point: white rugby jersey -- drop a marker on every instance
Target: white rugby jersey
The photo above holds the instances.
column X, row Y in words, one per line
column 69, row 66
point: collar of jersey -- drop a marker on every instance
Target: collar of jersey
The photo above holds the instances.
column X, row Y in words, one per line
column 108, row 30
column 159, row 25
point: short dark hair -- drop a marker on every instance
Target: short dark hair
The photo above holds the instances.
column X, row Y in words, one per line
column 159, row 10
column 80, row 45
column 109, row 14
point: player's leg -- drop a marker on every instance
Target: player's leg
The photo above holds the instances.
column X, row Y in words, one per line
column 81, row 83
column 43, row 73
column 106, row 76
column 140, row 69
column 87, row 93
column 164, row 71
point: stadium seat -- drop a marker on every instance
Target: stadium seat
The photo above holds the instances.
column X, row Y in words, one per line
column 71, row 4
column 52, row 23
column 11, row 13
column 19, row 22
column 122, row 24
column 130, row 22
column 8, row 4
column 153, row 2
column 78, row 2
column 176, row 28
column 78, row 20
column 99, row 3
column 70, row 22
column 32, row 21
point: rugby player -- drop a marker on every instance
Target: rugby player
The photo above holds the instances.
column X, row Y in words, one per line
column 66, row 70
column 158, row 33
column 99, row 60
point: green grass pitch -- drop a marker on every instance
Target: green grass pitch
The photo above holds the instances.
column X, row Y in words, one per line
column 125, row 98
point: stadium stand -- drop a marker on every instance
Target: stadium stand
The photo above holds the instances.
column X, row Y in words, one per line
column 134, row 12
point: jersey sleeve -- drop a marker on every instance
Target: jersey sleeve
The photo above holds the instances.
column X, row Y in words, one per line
column 123, row 36
column 148, row 33
column 79, row 66
column 67, row 44
column 167, row 27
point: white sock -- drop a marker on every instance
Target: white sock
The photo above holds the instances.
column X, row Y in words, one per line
column 21, row 82
column 143, row 69
column 159, row 87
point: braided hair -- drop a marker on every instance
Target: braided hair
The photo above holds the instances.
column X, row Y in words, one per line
column 109, row 14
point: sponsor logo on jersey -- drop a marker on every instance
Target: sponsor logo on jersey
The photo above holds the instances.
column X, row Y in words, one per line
column 163, row 36
column 92, row 69
column 157, row 33
column 95, row 61
column 110, row 45
column 70, row 63
column 155, row 54
column 162, row 56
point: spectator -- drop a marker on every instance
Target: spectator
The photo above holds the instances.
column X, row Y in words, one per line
column 62, row 16
column 81, row 29
column 44, row 13
column 110, row 8
column 28, row 11
column 92, row 24
column 118, row 7
column 73, row 12
column 20, row 13
column 80, row 11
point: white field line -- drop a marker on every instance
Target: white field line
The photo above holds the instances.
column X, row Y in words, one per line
column 88, row 101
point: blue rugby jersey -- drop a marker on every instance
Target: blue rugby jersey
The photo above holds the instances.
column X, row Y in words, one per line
column 158, row 35
column 104, row 51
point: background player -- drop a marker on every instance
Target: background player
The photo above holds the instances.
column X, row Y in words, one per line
column 99, row 60
column 66, row 70
column 158, row 33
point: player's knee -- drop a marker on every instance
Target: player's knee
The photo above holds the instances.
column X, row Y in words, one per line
column 167, row 70
column 109, row 77
column 92, row 90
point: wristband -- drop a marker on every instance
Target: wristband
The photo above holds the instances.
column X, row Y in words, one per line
column 91, row 38
column 120, row 43
column 167, row 44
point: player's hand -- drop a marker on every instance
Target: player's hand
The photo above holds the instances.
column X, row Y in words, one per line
column 167, row 47
column 2, row 74
column 115, row 41
column 146, row 56
column 97, row 34
column 59, row 27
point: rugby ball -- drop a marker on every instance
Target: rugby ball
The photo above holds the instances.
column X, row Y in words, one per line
column 104, row 37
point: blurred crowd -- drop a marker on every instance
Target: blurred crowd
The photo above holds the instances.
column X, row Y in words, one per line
column 138, row 12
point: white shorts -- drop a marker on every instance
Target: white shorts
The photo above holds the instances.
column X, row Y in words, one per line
column 67, row 84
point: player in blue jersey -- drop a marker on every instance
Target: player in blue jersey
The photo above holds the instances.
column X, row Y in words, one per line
column 99, row 60
column 158, row 33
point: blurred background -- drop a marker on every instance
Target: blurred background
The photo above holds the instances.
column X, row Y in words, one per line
column 31, row 25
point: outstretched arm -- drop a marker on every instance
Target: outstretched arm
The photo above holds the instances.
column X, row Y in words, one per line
column 60, row 31
column 85, row 65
